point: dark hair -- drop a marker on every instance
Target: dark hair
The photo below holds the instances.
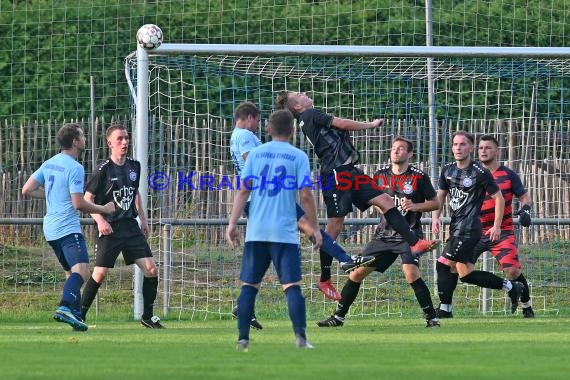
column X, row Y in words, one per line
column 465, row 134
column 246, row 109
column 281, row 100
column 408, row 142
column 113, row 127
column 490, row 138
column 281, row 123
column 66, row 135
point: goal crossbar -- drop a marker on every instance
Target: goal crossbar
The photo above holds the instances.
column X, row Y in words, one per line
column 379, row 51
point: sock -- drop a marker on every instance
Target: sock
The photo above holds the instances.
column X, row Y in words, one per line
column 446, row 283
column 326, row 261
column 525, row 296
column 246, row 305
column 89, row 293
column 484, row 280
column 424, row 297
column 297, row 310
column 348, row 295
column 331, row 248
column 397, row 221
column 149, row 289
column 71, row 294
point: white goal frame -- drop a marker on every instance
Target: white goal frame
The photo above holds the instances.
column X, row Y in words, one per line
column 141, row 93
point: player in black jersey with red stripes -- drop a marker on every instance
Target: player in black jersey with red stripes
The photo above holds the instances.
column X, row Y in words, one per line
column 330, row 137
column 468, row 183
column 117, row 179
column 412, row 191
column 505, row 249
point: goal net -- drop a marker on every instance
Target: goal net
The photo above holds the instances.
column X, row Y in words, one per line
column 191, row 97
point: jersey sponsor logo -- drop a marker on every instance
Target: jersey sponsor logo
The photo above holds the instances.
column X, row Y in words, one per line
column 399, row 201
column 124, row 197
column 458, row 198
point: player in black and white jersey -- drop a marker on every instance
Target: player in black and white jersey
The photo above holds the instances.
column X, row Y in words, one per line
column 413, row 193
column 467, row 182
column 330, row 137
column 117, row 180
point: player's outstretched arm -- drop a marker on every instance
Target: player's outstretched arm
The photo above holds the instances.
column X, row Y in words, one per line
column 79, row 203
column 353, row 125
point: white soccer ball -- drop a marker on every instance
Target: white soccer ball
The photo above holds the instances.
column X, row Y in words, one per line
column 149, row 36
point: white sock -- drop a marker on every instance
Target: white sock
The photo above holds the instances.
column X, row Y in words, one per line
column 445, row 307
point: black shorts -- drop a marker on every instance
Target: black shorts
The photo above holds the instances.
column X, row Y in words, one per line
column 460, row 249
column 345, row 186
column 127, row 238
column 387, row 252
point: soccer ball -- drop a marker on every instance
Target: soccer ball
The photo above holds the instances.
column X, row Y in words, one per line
column 149, row 36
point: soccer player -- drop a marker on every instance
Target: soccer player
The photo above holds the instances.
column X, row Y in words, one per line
column 504, row 250
column 59, row 180
column 117, row 180
column 330, row 137
column 413, row 192
column 243, row 139
column 468, row 183
column 271, row 232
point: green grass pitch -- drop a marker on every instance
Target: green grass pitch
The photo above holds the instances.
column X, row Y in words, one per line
column 381, row 348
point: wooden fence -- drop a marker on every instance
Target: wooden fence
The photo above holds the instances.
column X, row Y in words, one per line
column 538, row 152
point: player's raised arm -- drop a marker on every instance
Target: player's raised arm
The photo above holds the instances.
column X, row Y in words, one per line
column 353, row 125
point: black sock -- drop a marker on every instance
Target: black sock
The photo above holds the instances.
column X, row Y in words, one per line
column 149, row 290
column 483, row 279
column 397, row 221
column 424, row 297
column 326, row 262
column 525, row 296
column 89, row 293
column 446, row 283
column 348, row 295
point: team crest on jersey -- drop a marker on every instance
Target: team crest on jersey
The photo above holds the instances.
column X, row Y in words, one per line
column 467, row 182
column 124, row 197
column 408, row 188
column 132, row 175
column 458, row 198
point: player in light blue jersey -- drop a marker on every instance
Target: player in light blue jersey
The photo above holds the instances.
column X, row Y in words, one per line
column 242, row 141
column 59, row 181
column 274, row 175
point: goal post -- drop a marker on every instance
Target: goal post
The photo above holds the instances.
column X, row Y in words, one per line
column 184, row 100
